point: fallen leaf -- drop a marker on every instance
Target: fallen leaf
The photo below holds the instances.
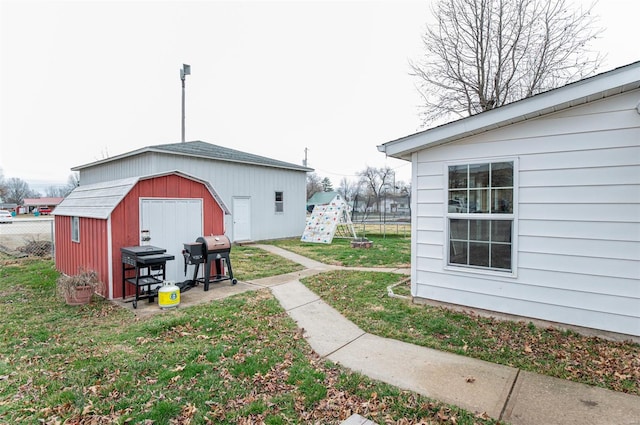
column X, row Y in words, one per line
column 483, row 415
column 442, row 416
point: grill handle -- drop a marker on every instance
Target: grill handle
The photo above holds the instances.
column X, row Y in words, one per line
column 184, row 257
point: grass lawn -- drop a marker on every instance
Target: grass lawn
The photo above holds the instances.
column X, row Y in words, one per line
column 236, row 361
column 389, row 251
column 254, row 263
column 362, row 297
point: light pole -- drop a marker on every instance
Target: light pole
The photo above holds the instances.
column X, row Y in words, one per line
column 186, row 70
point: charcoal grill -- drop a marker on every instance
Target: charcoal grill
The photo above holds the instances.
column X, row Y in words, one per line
column 143, row 267
column 209, row 250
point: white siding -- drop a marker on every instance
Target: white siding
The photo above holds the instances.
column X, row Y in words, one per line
column 229, row 179
column 578, row 218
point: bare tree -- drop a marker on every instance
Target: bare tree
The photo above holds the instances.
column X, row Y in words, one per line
column 482, row 54
column 3, row 186
column 347, row 189
column 376, row 180
column 403, row 188
column 17, row 190
column 313, row 184
column 55, row 191
column 72, row 182
column 357, row 194
column 62, row 191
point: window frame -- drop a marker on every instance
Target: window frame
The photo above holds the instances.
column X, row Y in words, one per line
column 278, row 203
column 75, row 229
column 488, row 216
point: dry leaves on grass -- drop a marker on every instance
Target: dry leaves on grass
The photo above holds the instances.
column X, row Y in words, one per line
column 563, row 354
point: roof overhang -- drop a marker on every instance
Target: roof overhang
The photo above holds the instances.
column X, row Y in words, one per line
column 36, row 202
column 161, row 149
column 590, row 89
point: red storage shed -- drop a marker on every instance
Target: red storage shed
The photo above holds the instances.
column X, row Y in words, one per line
column 94, row 221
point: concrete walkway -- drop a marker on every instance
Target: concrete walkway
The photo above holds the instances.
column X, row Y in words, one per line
column 502, row 392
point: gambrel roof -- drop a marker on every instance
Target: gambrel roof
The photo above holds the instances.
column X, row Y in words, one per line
column 200, row 149
column 100, row 199
column 611, row 83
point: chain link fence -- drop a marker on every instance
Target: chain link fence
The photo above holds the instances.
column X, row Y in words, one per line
column 383, row 228
column 27, row 237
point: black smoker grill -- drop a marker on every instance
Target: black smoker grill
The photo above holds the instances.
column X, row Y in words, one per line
column 143, row 266
column 208, row 250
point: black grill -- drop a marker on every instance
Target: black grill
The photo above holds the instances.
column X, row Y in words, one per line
column 209, row 250
column 143, row 267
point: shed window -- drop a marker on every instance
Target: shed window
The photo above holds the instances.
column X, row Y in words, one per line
column 480, row 215
column 75, row 229
column 279, row 202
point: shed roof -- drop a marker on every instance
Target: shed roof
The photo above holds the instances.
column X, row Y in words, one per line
column 35, row 202
column 610, row 83
column 202, row 149
column 100, row 199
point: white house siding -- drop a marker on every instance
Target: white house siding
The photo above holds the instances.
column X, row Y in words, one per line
column 577, row 218
column 230, row 179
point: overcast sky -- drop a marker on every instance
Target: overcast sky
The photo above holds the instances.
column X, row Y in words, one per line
column 84, row 80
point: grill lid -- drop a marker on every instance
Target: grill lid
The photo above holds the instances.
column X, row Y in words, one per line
column 142, row 250
column 215, row 242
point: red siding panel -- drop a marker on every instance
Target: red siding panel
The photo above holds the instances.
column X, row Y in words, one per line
column 90, row 253
column 92, row 250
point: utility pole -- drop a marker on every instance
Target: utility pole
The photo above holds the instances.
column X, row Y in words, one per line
column 186, row 70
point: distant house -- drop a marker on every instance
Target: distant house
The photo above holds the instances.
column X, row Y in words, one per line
column 266, row 197
column 8, row 206
column 33, row 204
column 396, row 204
column 533, row 209
column 320, row 198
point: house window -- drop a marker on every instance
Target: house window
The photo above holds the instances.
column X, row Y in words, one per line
column 75, row 229
column 480, row 215
column 279, row 202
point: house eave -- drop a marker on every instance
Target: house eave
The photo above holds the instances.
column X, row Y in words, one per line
column 594, row 88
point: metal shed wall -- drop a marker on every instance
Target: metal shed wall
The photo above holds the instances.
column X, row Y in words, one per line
column 231, row 179
column 101, row 239
column 91, row 253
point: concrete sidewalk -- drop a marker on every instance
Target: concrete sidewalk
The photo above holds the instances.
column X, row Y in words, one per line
column 502, row 392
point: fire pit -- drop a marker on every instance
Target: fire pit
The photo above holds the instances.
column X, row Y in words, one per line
column 361, row 243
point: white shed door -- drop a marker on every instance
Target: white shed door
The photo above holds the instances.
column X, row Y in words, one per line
column 241, row 219
column 171, row 223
